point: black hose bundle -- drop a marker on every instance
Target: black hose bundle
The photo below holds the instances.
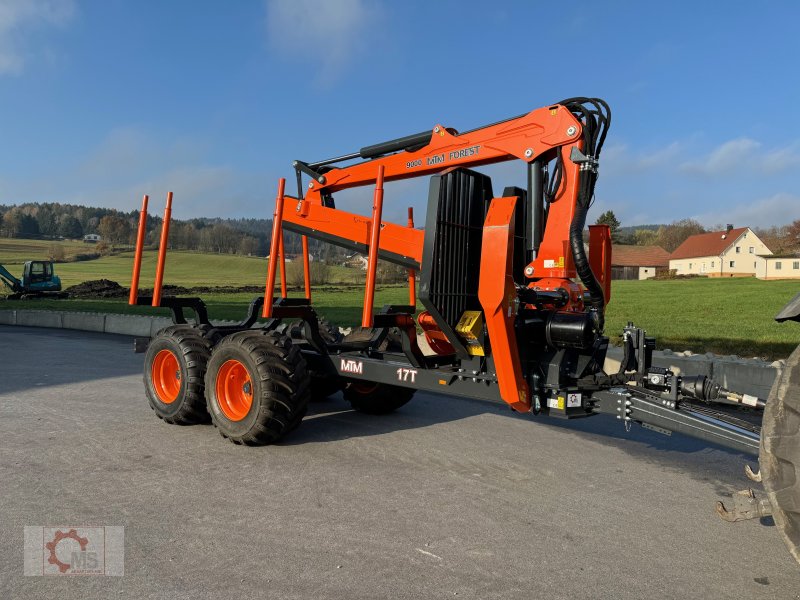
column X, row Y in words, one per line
column 595, row 116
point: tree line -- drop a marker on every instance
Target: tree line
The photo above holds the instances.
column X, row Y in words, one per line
column 779, row 239
column 224, row 236
column 252, row 236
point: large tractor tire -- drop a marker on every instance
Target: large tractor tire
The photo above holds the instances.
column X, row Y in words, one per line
column 174, row 371
column 257, row 387
column 376, row 398
column 780, row 453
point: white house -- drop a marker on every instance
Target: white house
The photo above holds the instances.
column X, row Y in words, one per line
column 92, row 238
column 779, row 266
column 730, row 253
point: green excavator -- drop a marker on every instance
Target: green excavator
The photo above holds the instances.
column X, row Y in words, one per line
column 38, row 280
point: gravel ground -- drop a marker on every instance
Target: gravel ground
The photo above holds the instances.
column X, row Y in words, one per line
column 446, row 498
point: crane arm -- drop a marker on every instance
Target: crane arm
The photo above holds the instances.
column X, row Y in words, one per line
column 11, row 282
column 571, row 133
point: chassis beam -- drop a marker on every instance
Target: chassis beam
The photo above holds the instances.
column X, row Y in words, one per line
column 632, row 404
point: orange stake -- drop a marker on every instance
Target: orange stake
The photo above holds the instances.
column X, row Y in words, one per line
column 306, row 268
column 162, row 252
column 282, row 253
column 374, row 241
column 137, row 258
column 277, row 224
column 412, row 276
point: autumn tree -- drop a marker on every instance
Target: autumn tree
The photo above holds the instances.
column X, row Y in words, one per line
column 792, row 236
column 673, row 235
column 645, row 237
column 248, row 245
column 115, row 229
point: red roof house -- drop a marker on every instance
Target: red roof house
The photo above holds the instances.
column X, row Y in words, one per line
column 637, row 262
column 733, row 252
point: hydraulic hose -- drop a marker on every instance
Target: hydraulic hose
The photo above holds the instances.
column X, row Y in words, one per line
column 595, row 117
column 582, row 261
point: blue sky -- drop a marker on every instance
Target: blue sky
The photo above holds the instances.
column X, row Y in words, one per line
column 101, row 102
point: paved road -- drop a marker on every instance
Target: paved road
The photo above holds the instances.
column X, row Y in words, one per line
column 446, row 498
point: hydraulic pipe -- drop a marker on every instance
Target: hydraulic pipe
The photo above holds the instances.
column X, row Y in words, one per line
column 306, row 268
column 137, row 257
column 374, row 240
column 162, row 251
column 420, row 139
column 535, row 228
column 277, row 225
column 412, row 277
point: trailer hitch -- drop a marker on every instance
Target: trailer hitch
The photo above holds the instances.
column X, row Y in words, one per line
column 745, row 506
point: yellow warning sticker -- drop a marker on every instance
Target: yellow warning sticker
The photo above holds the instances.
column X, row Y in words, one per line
column 561, row 262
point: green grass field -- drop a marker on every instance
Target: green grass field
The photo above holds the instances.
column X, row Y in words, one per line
column 182, row 268
column 16, row 252
column 188, row 269
column 725, row 316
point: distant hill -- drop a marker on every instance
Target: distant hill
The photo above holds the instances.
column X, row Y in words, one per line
column 630, row 229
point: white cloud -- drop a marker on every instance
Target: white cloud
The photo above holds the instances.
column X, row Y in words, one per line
column 322, row 31
column 619, row 159
column 778, row 209
column 18, row 18
column 730, row 156
column 740, row 155
column 745, row 155
column 129, row 162
column 200, row 190
column 782, row 159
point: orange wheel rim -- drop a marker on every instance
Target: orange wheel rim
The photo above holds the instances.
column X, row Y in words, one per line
column 364, row 388
column 166, row 375
column 234, row 390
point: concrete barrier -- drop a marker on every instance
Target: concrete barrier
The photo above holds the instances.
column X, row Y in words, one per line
column 136, row 325
column 39, row 318
column 750, row 377
column 84, row 321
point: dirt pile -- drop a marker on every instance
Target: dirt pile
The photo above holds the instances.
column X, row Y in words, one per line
column 98, row 288
column 228, row 289
column 166, row 290
column 105, row 288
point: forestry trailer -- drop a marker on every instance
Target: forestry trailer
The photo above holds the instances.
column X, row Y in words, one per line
column 513, row 308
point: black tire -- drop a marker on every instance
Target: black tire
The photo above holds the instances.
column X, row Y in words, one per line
column 274, row 394
column 376, row 398
column 184, row 349
column 779, row 459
